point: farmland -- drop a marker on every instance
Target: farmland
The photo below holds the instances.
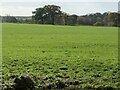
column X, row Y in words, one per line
column 79, row 56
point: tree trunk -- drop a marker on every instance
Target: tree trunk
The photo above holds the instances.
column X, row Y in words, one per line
column 42, row 21
column 52, row 19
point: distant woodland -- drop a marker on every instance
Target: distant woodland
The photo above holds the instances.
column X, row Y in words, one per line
column 52, row 14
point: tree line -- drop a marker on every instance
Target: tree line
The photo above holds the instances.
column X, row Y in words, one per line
column 52, row 14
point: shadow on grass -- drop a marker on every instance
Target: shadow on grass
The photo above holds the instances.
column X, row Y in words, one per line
column 26, row 83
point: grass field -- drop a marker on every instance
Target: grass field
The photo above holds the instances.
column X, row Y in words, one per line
column 79, row 56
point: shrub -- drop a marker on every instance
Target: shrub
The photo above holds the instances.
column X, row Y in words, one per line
column 98, row 23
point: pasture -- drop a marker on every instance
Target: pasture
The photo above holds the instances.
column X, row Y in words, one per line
column 78, row 56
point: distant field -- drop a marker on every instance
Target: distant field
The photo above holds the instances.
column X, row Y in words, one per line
column 83, row 54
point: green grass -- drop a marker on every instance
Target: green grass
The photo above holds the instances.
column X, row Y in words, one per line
column 89, row 54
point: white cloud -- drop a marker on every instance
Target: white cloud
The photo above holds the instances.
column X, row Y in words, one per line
column 59, row 0
column 79, row 8
column 0, row 9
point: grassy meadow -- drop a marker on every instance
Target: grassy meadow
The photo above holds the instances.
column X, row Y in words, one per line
column 79, row 56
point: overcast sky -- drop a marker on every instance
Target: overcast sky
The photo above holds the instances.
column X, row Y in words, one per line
column 79, row 7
